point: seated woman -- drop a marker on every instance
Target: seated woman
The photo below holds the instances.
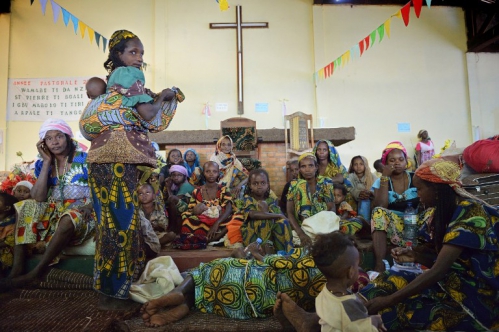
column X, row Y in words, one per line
column 460, row 290
column 311, row 194
column 209, row 210
column 361, row 178
column 392, row 192
column 232, row 172
column 260, row 215
column 329, row 162
column 60, row 212
column 222, row 287
column 177, row 194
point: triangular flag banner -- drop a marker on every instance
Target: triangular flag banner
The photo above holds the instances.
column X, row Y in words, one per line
column 65, row 16
column 97, row 38
column 381, row 32
column 321, row 73
column 90, row 34
column 75, row 23
column 373, row 37
column 387, row 26
column 32, row 2
column 82, row 27
column 44, row 6
column 104, row 44
column 428, row 3
column 345, row 57
column 224, row 5
column 406, row 10
column 56, row 9
column 355, row 51
column 398, row 14
column 338, row 64
column 331, row 66
column 361, row 47
column 417, row 6
column 326, row 71
column 367, row 41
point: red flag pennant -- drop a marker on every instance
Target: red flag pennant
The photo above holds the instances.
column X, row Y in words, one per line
column 331, row 67
column 326, row 71
column 405, row 13
column 361, row 47
column 417, row 6
column 367, row 41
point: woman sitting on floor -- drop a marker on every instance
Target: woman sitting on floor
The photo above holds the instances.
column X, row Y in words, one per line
column 460, row 290
column 209, row 210
column 311, row 194
column 330, row 163
column 260, row 215
column 392, row 193
column 177, row 194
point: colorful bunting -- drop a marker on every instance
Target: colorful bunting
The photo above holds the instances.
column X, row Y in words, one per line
column 77, row 23
column 362, row 46
column 223, row 4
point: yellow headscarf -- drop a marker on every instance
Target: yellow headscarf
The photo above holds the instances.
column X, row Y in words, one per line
column 119, row 36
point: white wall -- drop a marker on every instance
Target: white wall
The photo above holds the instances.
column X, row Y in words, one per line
column 417, row 76
column 483, row 72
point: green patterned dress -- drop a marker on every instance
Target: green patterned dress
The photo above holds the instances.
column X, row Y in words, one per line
column 244, row 289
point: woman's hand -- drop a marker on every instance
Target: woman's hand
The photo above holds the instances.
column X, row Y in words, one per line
column 403, row 255
column 365, row 194
column 213, row 233
column 263, row 206
column 378, row 322
column 388, row 170
column 378, row 303
column 86, row 212
column 43, row 150
column 199, row 208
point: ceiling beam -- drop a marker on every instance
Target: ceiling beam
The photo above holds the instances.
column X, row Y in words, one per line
column 481, row 42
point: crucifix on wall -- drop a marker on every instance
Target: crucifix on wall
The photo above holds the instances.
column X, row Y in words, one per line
column 239, row 25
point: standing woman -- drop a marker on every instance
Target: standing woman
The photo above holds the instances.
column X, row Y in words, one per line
column 425, row 148
column 118, row 123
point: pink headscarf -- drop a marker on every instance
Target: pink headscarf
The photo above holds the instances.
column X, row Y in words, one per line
column 392, row 146
column 55, row 124
column 180, row 169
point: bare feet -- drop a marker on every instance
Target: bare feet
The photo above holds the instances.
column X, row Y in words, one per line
column 301, row 320
column 169, row 316
column 152, row 307
column 286, row 325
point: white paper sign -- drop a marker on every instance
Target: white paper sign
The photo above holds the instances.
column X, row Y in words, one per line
column 38, row 99
column 221, row 107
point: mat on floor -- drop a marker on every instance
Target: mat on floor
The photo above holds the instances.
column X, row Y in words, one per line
column 197, row 321
column 64, row 301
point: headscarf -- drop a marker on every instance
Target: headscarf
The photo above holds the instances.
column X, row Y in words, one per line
column 368, row 175
column 227, row 163
column 189, row 168
column 390, row 147
column 55, row 124
column 444, row 171
column 307, row 155
column 118, row 36
column 24, row 183
column 180, row 169
column 334, row 162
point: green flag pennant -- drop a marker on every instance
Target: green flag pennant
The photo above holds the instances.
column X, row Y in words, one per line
column 381, row 32
column 373, row 37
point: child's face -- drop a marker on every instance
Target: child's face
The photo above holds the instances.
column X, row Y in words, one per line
column 338, row 196
column 22, row 193
column 175, row 157
column 259, row 184
column 190, row 156
column 133, row 53
column 211, row 173
column 294, row 170
column 358, row 166
column 322, row 151
column 146, row 194
column 226, row 145
column 177, row 178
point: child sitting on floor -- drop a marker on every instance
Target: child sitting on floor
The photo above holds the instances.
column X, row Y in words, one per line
column 337, row 258
column 343, row 209
column 260, row 215
column 7, row 225
column 153, row 220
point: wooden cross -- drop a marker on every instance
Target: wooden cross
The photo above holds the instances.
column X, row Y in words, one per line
column 239, row 25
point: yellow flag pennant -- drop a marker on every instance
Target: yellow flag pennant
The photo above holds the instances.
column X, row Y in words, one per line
column 398, row 14
column 387, row 27
column 91, row 34
column 321, row 73
column 83, row 27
